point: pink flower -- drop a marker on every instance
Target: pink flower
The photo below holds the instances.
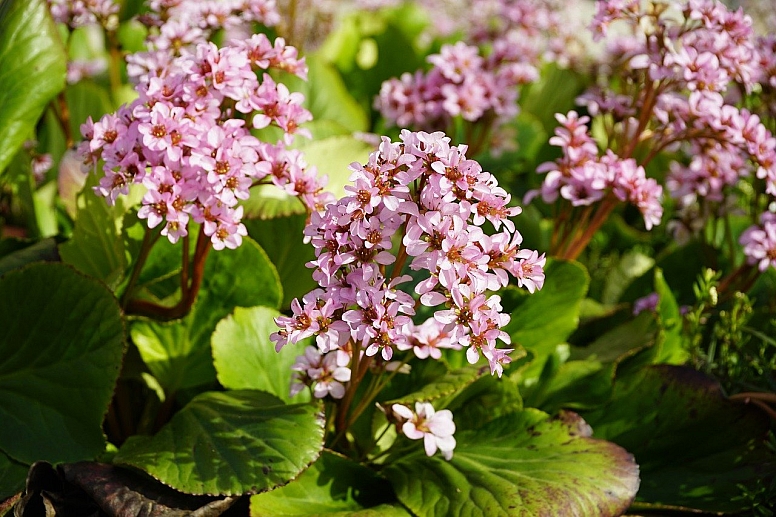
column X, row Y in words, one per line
column 326, row 373
column 759, row 242
column 435, row 428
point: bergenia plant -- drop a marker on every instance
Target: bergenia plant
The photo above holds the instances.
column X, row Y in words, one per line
column 186, row 139
column 225, row 291
column 425, row 195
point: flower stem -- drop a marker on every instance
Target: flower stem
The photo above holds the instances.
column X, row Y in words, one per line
column 188, row 294
column 149, row 239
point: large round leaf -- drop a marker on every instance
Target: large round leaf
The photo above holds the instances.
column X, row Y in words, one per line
column 333, row 485
column 61, row 344
column 694, row 446
column 521, row 464
column 32, row 70
column 244, row 356
column 229, row 443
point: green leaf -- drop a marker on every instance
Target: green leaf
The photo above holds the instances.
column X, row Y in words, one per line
column 555, row 92
column 393, row 52
column 333, row 485
column 586, row 380
column 176, row 358
column 680, row 266
column 245, row 358
column 577, row 384
column 630, row 265
column 12, row 475
column 61, row 344
column 326, row 95
column 520, row 464
column 289, row 254
column 545, row 319
column 230, row 443
column 671, row 345
column 269, row 202
column 485, row 400
column 333, row 156
column 444, row 386
column 44, row 250
column 693, row 445
column 178, row 353
column 86, row 99
column 97, row 246
column 32, row 71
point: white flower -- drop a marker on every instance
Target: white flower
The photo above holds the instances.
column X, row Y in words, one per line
column 435, row 427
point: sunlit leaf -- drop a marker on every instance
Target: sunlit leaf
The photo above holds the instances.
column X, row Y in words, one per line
column 245, row 358
column 178, row 353
column 230, row 443
column 32, row 71
column 521, row 464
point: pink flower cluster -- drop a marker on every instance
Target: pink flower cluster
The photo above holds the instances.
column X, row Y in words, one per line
column 79, row 13
column 429, row 193
column 176, row 25
column 461, row 83
column 582, row 177
column 185, row 139
column 540, row 30
column 706, row 48
column 435, row 428
column 759, row 242
column 676, row 89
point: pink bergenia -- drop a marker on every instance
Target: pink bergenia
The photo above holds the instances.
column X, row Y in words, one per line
column 181, row 140
column 79, row 13
column 435, row 428
column 759, row 242
column 177, row 27
column 681, row 69
column 462, row 83
column 427, row 191
column 582, row 176
column 326, row 373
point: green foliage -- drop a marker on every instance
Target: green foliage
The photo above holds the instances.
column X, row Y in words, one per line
column 289, row 255
column 380, row 36
column 32, row 71
column 178, row 353
column 230, row 443
column 245, row 358
column 61, row 344
column 12, row 475
column 97, row 247
column 333, row 485
column 726, row 344
column 522, row 463
column 544, row 320
column 442, row 386
column 28, row 252
column 662, row 414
